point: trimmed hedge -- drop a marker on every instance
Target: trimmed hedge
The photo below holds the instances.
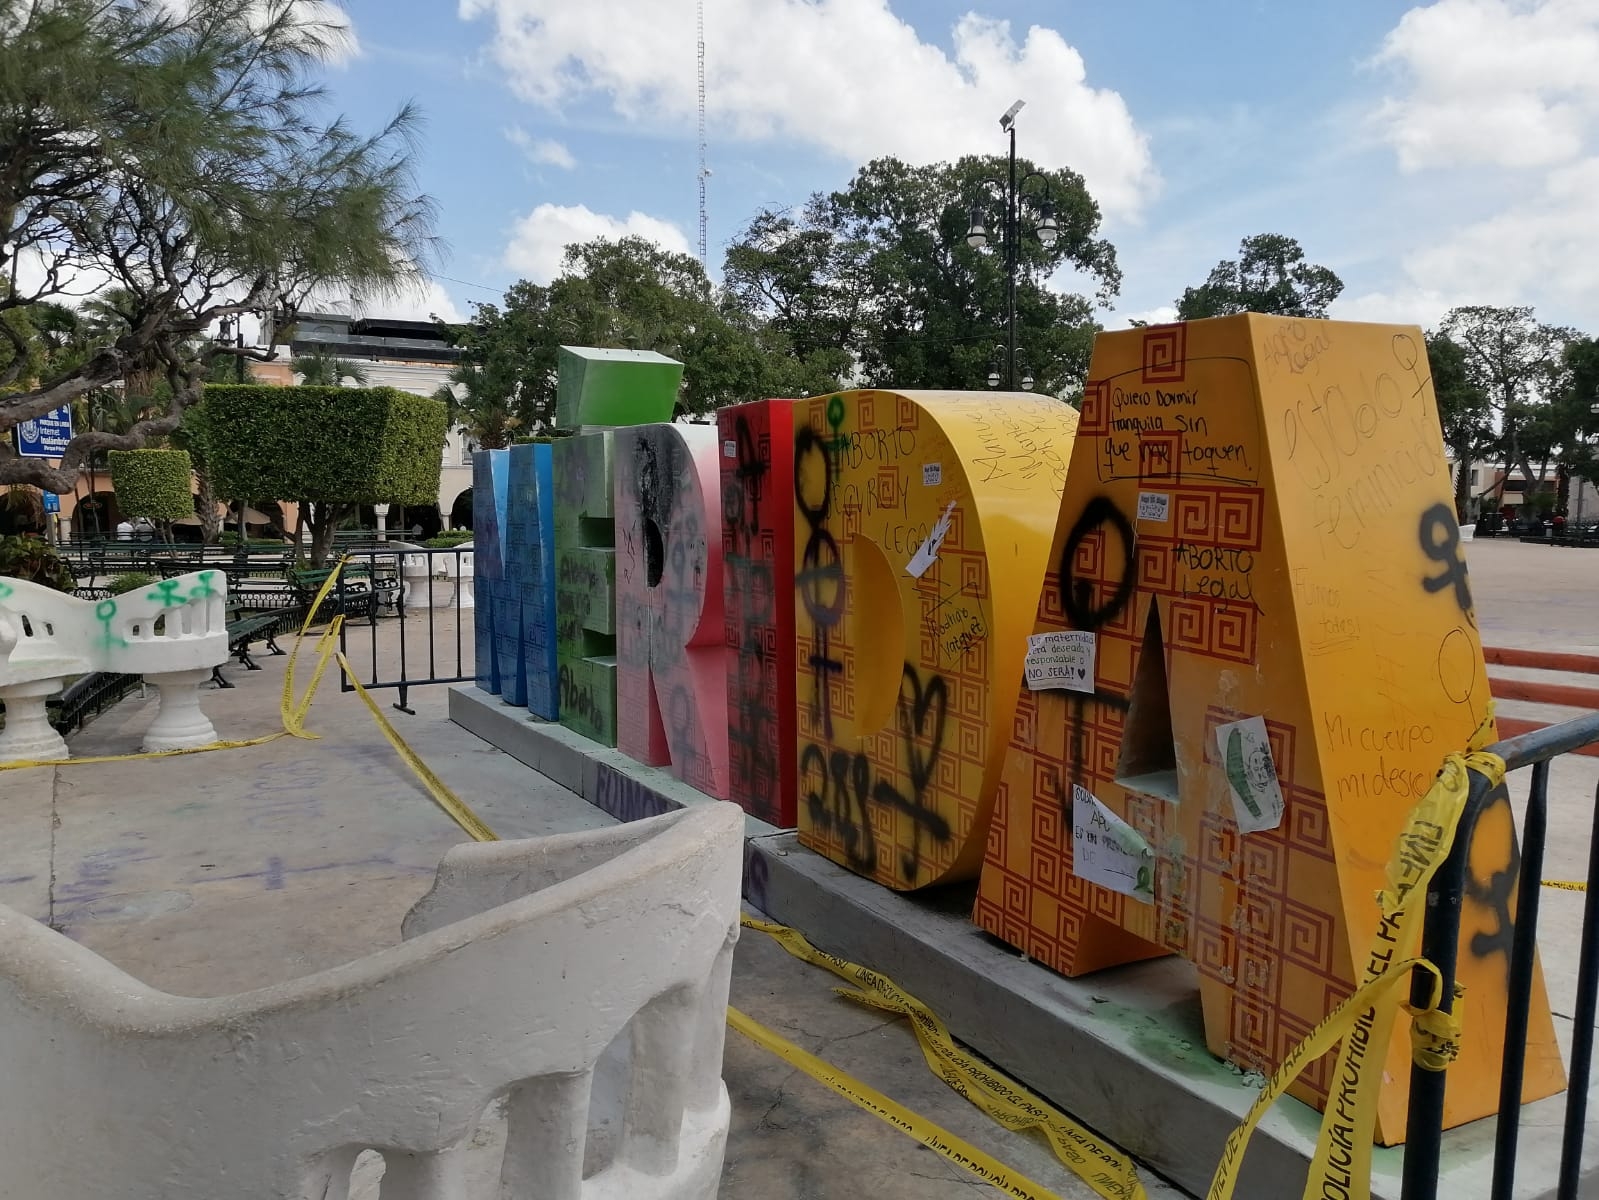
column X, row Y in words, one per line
column 326, row 444
column 153, row 483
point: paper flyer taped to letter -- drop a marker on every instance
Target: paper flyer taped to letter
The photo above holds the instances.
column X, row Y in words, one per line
column 1251, row 774
column 1108, row 851
column 1064, row 659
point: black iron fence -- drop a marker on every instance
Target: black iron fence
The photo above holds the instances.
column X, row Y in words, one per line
column 1440, row 943
column 88, row 697
column 431, row 593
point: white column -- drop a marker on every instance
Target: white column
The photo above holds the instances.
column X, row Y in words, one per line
column 28, row 735
column 179, row 724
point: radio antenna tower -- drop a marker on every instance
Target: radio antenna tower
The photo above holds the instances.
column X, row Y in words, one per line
column 704, row 171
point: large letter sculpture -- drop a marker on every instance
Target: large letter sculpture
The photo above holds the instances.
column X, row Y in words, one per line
column 758, row 602
column 1260, row 645
column 530, row 573
column 922, row 527
column 490, row 484
column 597, row 391
column 671, row 678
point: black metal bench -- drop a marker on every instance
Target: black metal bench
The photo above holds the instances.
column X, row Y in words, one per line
column 245, row 627
column 353, row 595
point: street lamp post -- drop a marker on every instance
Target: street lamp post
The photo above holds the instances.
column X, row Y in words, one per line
column 1010, row 234
column 233, row 335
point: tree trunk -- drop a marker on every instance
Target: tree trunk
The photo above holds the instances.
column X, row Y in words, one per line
column 324, row 520
column 1463, row 469
column 206, row 493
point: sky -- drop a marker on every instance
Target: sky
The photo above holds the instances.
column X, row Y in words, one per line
column 1436, row 155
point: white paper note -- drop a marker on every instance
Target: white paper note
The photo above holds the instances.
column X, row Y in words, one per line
column 1108, row 851
column 932, row 474
column 1154, row 506
column 729, row 449
column 1251, row 774
column 1060, row 660
column 927, row 554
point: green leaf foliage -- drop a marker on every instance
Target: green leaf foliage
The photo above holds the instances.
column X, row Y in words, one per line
column 35, row 560
column 881, row 276
column 183, row 151
column 1270, row 275
column 325, row 444
column 131, row 582
column 153, row 483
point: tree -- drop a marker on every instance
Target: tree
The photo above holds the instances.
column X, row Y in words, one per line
column 1580, row 401
column 1463, row 411
column 627, row 293
column 1517, row 364
column 484, row 410
column 332, row 449
column 321, row 369
column 174, row 150
column 1270, row 275
column 878, row 279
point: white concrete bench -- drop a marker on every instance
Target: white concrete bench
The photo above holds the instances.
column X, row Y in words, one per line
column 172, row 633
column 581, row 981
column 420, row 570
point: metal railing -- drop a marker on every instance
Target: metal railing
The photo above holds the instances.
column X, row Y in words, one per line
column 89, row 697
column 1441, row 943
column 435, row 627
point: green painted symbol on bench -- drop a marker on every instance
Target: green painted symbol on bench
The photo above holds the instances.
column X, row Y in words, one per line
column 167, row 593
column 203, row 589
column 104, row 611
column 5, row 589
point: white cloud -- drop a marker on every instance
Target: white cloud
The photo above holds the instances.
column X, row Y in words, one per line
column 540, row 239
column 847, row 76
column 546, row 151
column 324, row 21
column 415, row 304
column 1546, row 249
column 420, row 301
column 1499, row 100
column 1407, row 305
column 1161, row 314
column 1512, row 83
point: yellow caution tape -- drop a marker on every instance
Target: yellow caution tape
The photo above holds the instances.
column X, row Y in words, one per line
column 1363, row 1024
column 110, row 758
column 955, row 1149
column 1098, row 1164
column 293, row 710
column 1566, row 885
column 452, row 804
column 1434, row 1034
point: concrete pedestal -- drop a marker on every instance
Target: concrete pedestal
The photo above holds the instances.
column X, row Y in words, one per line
column 28, row 735
column 1122, row 1050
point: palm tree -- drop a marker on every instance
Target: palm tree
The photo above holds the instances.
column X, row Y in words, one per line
column 321, row 369
column 487, row 415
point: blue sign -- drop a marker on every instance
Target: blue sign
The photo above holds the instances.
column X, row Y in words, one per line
column 52, row 502
column 46, row 436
